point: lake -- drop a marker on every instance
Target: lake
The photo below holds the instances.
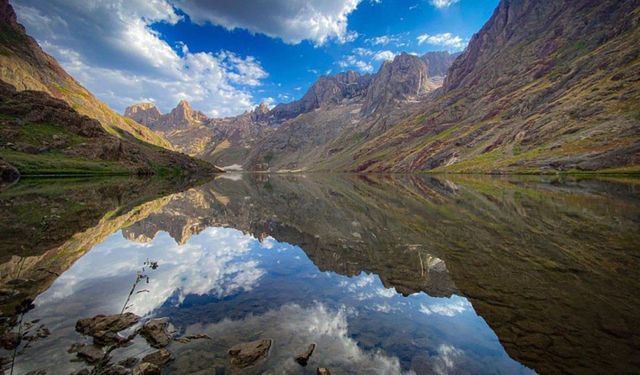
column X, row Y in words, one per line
column 385, row 274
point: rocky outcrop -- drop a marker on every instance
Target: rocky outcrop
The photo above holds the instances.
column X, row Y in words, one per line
column 155, row 331
column 326, row 90
column 145, row 113
column 404, row 77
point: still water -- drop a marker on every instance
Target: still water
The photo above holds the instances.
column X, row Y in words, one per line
column 385, row 275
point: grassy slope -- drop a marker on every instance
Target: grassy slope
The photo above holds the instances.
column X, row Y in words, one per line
column 27, row 67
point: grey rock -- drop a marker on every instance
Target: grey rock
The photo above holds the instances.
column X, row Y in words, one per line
column 247, row 354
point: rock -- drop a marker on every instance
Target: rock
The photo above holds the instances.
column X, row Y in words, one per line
column 115, row 370
column 8, row 173
column 159, row 358
column 7, row 294
column 146, row 368
column 247, row 354
column 129, row 362
column 323, row 371
column 10, row 340
column 155, row 332
column 186, row 339
column 84, row 371
column 303, row 358
column 36, row 372
column 89, row 353
column 104, row 328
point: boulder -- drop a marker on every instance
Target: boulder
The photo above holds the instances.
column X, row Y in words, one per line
column 247, row 354
column 146, row 368
column 159, row 358
column 303, row 358
column 155, row 332
column 323, row 371
column 104, row 328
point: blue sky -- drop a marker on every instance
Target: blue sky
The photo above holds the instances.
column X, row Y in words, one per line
column 226, row 56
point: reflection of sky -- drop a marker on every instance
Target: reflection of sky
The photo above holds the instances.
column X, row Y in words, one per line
column 235, row 288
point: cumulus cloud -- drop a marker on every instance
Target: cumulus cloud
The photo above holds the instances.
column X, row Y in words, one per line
column 384, row 55
column 351, row 61
column 111, row 49
column 290, row 20
column 383, row 40
column 214, row 262
column 444, row 40
column 450, row 308
column 441, row 4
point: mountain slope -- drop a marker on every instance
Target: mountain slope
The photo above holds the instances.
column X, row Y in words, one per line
column 41, row 135
column 543, row 87
column 26, row 66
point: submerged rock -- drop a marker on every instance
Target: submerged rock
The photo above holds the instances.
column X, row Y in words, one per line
column 323, row 371
column 129, row 362
column 115, row 370
column 146, row 368
column 10, row 340
column 303, row 358
column 158, row 358
column 89, row 353
column 155, row 332
column 104, row 328
column 189, row 338
column 247, row 354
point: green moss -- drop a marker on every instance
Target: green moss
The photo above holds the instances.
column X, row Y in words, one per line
column 37, row 134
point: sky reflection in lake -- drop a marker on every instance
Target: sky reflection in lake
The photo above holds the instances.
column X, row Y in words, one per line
column 234, row 287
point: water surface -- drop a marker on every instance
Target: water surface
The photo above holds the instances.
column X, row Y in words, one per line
column 388, row 275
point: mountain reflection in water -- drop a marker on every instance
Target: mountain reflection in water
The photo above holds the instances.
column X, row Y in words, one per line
column 386, row 275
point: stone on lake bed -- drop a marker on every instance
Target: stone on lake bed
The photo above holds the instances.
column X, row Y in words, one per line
column 89, row 353
column 248, row 353
column 10, row 340
column 146, row 368
column 323, row 371
column 303, row 358
column 104, row 328
column 159, row 358
column 155, row 332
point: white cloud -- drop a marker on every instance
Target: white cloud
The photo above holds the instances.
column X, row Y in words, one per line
column 384, row 55
column 351, row 61
column 362, row 51
column 290, row 20
column 383, row 40
column 111, row 49
column 449, row 309
column 444, row 40
column 441, row 4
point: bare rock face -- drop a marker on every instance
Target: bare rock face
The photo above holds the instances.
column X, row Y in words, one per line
column 144, row 113
column 439, row 62
column 104, row 328
column 247, row 354
column 404, row 77
column 326, row 90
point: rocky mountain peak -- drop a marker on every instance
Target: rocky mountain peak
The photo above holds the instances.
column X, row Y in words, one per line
column 144, row 113
column 404, row 77
column 261, row 112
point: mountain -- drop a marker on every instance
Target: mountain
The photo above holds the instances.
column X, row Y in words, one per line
column 26, row 66
column 52, row 125
column 543, row 87
column 295, row 128
column 439, row 62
